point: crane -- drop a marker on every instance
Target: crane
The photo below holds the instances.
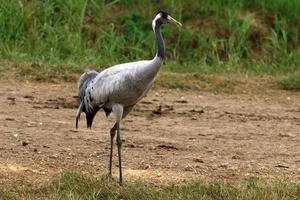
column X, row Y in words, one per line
column 118, row 88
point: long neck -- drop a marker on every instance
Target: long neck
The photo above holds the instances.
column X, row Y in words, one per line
column 149, row 71
column 159, row 41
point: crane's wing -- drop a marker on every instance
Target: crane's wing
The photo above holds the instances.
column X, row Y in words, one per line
column 123, row 83
column 83, row 83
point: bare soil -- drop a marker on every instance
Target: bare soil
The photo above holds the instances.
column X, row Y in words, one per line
column 170, row 136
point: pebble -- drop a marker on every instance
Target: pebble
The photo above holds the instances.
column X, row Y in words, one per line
column 199, row 160
column 286, row 135
column 235, row 157
column 224, row 165
column 25, row 143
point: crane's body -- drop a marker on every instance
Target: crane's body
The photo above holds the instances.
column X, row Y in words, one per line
column 124, row 84
column 118, row 88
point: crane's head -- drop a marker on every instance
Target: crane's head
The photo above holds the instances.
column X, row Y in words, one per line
column 163, row 17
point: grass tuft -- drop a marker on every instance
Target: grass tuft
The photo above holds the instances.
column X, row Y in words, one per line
column 73, row 185
column 290, row 83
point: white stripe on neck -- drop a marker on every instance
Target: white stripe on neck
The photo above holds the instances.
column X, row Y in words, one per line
column 154, row 21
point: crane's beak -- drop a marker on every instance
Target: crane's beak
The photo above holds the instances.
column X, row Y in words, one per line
column 174, row 21
column 79, row 110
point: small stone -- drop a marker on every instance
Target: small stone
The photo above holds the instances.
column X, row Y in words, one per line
column 224, row 165
column 25, row 143
column 197, row 111
column 82, row 162
column 235, row 157
column 54, row 156
column 11, row 98
column 147, row 167
column 188, row 168
column 286, row 135
column 199, row 160
column 131, row 145
column 282, row 166
column 29, row 97
column 181, row 100
column 10, row 119
column 194, row 118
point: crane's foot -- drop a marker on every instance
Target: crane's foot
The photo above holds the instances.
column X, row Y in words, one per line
column 109, row 177
column 114, row 180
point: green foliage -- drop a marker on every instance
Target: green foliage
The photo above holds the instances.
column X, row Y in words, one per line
column 256, row 36
column 70, row 185
column 290, row 83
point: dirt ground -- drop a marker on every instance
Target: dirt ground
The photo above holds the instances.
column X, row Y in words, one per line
column 170, row 136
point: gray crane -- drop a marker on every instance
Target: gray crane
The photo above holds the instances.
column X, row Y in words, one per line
column 118, row 88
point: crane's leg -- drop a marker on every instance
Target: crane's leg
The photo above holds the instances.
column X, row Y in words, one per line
column 119, row 143
column 112, row 135
column 118, row 110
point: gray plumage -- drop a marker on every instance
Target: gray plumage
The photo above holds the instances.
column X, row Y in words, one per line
column 83, row 82
column 120, row 87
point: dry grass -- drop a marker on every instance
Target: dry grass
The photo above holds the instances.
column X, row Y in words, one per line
column 72, row 185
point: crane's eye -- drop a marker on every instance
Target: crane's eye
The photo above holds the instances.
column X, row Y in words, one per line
column 163, row 14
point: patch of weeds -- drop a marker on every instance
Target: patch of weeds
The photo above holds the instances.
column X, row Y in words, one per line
column 290, row 83
column 224, row 86
column 184, row 81
column 74, row 185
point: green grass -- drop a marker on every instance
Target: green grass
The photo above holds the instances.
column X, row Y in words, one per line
column 245, row 36
column 290, row 83
column 72, row 185
column 196, row 81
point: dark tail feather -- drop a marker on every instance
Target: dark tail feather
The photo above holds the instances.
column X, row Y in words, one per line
column 90, row 116
column 83, row 82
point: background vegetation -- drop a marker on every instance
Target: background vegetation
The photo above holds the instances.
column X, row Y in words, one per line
column 220, row 36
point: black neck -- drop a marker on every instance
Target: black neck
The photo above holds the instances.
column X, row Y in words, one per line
column 159, row 40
